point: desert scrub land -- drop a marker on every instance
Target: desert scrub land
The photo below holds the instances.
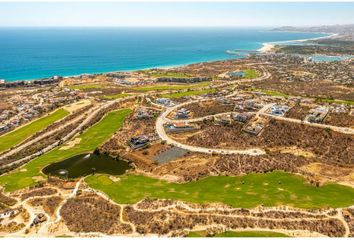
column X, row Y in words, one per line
column 93, row 214
column 18, row 135
column 328, row 146
column 96, row 135
column 238, row 234
column 269, row 189
column 205, row 108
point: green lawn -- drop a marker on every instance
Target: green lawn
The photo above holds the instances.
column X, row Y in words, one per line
column 249, row 191
column 115, row 96
column 18, row 135
column 90, row 139
column 239, row 234
column 251, row 73
column 170, row 87
column 188, row 93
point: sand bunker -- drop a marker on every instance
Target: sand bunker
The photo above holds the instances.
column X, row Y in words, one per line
column 70, row 144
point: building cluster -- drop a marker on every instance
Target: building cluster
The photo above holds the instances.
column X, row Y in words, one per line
column 24, row 107
column 297, row 68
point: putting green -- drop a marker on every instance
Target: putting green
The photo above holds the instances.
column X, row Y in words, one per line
column 249, row 191
column 93, row 137
column 18, row 135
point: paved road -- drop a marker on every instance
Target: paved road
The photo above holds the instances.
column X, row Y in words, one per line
column 79, row 128
column 21, row 146
column 162, row 120
column 319, row 125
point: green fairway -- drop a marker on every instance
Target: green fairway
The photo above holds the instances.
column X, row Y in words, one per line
column 188, row 93
column 87, row 86
column 18, row 135
column 328, row 100
column 169, row 75
column 251, row 73
column 273, row 93
column 90, row 139
column 115, row 96
column 270, row 189
column 239, row 234
column 170, row 87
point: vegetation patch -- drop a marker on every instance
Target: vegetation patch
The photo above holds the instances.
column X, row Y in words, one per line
column 330, row 100
column 90, row 140
column 270, row 189
column 270, row 92
column 17, row 136
column 87, row 86
column 188, row 93
column 115, row 96
column 170, row 87
column 251, row 73
column 170, row 75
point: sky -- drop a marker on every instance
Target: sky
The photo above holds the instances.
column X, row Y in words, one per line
column 111, row 14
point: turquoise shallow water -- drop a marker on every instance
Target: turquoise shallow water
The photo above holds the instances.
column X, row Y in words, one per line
column 31, row 53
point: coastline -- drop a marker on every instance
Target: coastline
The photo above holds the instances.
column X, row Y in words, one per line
column 266, row 48
column 269, row 46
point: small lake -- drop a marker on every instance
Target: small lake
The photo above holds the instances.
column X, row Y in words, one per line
column 85, row 164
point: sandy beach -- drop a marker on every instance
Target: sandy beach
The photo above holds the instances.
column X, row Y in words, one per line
column 267, row 47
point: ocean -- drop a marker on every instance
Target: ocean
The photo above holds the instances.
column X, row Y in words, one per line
column 32, row 53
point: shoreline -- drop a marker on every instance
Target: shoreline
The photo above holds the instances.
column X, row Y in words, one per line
column 266, row 48
column 269, row 46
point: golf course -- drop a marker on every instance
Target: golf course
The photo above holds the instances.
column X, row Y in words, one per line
column 17, row 136
column 248, row 191
column 93, row 137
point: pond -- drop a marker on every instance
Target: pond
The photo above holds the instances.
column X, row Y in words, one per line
column 86, row 164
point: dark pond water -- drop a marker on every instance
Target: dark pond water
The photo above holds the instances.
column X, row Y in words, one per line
column 85, row 164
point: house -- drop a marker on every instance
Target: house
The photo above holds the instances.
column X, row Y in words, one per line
column 224, row 120
column 139, row 141
column 182, row 114
column 179, row 127
column 223, row 101
column 142, row 114
column 255, row 127
column 317, row 115
column 279, row 110
column 241, row 117
column 165, row 102
column 8, row 213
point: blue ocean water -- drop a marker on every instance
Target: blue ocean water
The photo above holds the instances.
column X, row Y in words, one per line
column 32, row 53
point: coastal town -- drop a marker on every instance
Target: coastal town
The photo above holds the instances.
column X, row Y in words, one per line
column 262, row 144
